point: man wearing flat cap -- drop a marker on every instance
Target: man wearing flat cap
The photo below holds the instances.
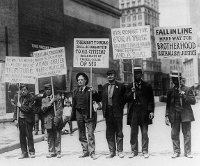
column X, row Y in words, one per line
column 81, row 113
column 112, row 106
column 179, row 113
column 140, row 111
column 53, row 121
column 26, row 119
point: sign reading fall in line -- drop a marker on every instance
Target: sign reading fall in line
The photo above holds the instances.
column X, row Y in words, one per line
column 50, row 62
column 20, row 70
column 176, row 42
column 131, row 42
column 91, row 52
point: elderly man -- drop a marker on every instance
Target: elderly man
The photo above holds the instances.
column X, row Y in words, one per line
column 53, row 121
column 179, row 113
column 140, row 111
column 112, row 106
column 26, row 119
column 81, row 113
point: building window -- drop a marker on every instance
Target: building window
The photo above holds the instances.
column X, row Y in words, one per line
column 139, row 17
column 123, row 25
column 128, row 4
column 139, row 23
column 128, row 11
column 133, row 11
column 134, row 17
column 133, row 3
column 123, row 19
column 139, row 10
column 122, row 6
column 139, row 2
column 134, row 24
column 128, row 25
column 128, row 18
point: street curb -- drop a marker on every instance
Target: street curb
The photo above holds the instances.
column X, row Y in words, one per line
column 37, row 139
column 6, row 120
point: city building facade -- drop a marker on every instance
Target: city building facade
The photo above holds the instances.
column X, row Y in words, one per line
column 27, row 26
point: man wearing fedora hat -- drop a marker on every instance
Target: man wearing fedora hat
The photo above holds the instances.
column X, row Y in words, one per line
column 53, row 121
column 179, row 113
column 26, row 119
column 140, row 111
column 112, row 106
column 81, row 113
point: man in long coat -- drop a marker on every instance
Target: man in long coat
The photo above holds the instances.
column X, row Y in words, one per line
column 140, row 111
column 179, row 113
column 112, row 106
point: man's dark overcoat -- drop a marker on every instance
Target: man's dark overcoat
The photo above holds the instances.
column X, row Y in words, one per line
column 186, row 111
column 147, row 102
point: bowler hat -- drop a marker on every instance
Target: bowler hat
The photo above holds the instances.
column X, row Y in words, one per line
column 175, row 73
column 84, row 75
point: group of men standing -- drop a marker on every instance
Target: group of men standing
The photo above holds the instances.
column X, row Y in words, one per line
column 114, row 95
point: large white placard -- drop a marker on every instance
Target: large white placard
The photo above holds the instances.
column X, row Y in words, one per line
column 20, row 70
column 91, row 52
column 131, row 42
column 176, row 42
column 2, row 90
column 50, row 62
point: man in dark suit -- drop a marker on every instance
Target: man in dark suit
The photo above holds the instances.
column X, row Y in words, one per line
column 53, row 121
column 26, row 119
column 81, row 113
column 179, row 113
column 112, row 107
column 140, row 111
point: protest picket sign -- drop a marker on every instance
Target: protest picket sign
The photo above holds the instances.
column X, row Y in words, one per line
column 92, row 53
column 2, row 90
column 20, row 70
column 131, row 43
column 176, row 42
column 49, row 63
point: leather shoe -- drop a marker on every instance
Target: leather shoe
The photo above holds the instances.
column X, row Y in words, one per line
column 51, row 155
column 111, row 155
column 58, row 155
column 175, row 155
column 133, row 154
column 84, row 155
column 120, row 154
column 32, row 155
column 25, row 155
column 188, row 156
column 93, row 156
column 146, row 155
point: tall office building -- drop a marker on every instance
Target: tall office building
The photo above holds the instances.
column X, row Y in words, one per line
column 141, row 13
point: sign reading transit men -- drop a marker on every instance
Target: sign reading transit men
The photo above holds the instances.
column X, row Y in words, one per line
column 20, row 70
column 176, row 42
column 50, row 62
column 131, row 42
column 91, row 52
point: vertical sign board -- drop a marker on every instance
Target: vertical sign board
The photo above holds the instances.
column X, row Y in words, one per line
column 176, row 42
column 50, row 62
column 91, row 52
column 2, row 90
column 20, row 70
column 131, row 42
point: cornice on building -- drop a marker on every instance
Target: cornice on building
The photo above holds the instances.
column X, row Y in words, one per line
column 101, row 6
column 139, row 6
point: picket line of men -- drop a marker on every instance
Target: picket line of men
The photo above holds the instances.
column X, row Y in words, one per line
column 114, row 95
